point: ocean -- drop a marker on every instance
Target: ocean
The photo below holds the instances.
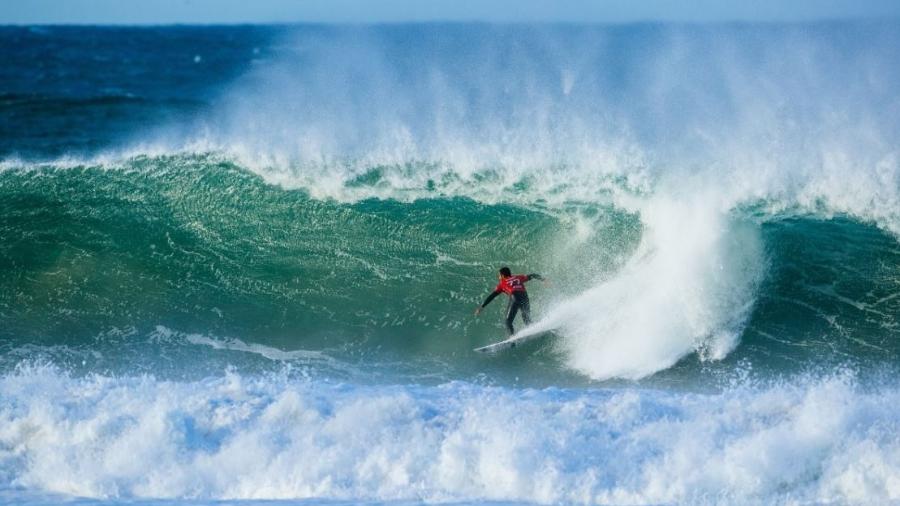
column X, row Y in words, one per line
column 239, row 264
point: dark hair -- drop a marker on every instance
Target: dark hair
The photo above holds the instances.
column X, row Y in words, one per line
column 505, row 271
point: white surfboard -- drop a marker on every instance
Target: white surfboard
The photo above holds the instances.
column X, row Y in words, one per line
column 512, row 341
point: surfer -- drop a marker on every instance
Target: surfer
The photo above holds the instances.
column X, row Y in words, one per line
column 514, row 287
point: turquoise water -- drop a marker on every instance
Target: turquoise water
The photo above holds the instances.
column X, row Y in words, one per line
column 222, row 258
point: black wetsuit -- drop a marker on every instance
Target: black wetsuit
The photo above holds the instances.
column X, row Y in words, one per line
column 518, row 299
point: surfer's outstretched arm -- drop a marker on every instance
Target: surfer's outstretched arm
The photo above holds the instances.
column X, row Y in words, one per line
column 487, row 300
column 533, row 276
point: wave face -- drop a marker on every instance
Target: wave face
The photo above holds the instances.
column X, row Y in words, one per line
column 223, row 257
column 221, row 254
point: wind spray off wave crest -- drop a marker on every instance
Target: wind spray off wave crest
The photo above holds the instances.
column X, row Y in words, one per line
column 768, row 111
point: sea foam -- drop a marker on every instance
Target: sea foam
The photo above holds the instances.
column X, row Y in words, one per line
column 236, row 437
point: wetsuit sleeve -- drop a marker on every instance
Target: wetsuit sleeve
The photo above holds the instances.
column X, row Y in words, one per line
column 491, row 297
column 534, row 276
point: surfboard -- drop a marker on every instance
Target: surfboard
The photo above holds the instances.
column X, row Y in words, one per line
column 512, row 342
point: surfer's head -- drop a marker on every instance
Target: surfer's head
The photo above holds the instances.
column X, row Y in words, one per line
column 505, row 272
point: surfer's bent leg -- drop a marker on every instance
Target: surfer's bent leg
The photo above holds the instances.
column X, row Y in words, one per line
column 511, row 311
column 526, row 309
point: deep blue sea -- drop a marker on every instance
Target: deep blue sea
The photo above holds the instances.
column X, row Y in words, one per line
column 240, row 264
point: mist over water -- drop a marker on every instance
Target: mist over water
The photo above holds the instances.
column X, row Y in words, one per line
column 297, row 239
column 755, row 111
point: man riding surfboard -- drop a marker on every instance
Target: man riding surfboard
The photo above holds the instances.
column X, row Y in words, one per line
column 514, row 288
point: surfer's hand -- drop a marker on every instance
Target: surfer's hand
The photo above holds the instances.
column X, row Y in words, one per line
column 477, row 310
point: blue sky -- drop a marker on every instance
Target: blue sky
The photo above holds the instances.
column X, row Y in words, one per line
column 374, row 11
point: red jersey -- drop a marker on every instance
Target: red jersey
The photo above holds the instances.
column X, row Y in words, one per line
column 512, row 284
